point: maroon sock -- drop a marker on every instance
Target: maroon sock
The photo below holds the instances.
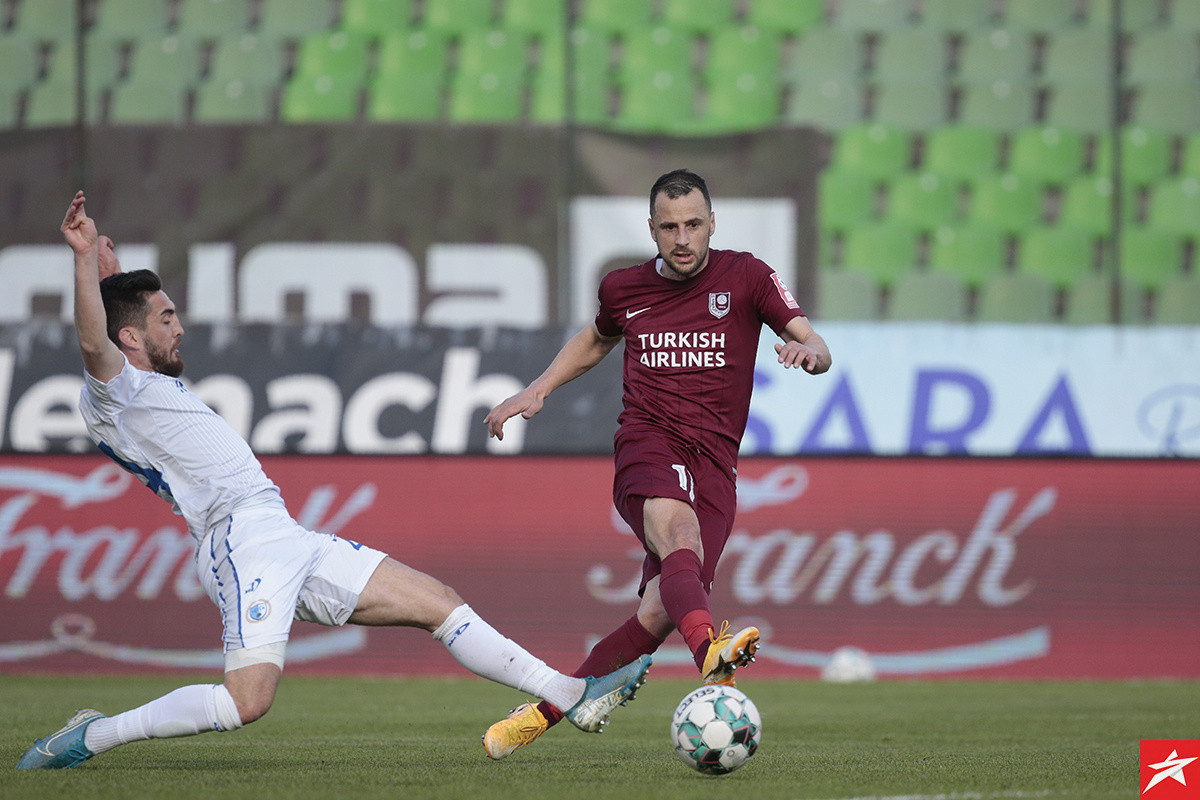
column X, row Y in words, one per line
column 619, row 648
column 685, row 600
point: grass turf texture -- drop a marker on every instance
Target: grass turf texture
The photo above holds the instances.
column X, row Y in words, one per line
column 388, row 738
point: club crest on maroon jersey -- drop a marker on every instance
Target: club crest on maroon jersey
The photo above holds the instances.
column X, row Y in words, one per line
column 718, row 303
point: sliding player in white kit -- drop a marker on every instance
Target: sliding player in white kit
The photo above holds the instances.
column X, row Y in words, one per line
column 258, row 565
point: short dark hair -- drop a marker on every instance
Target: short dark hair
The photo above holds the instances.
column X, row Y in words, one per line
column 676, row 184
column 125, row 300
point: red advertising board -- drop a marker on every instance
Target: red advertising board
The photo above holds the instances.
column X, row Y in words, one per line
column 1041, row 568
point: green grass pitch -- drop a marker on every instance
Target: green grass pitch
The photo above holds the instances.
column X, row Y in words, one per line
column 396, row 738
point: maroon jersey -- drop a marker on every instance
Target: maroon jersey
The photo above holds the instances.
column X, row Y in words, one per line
column 690, row 346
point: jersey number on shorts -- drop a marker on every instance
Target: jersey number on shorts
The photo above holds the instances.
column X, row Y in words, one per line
column 685, row 481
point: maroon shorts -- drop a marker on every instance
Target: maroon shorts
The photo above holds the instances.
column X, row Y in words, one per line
column 649, row 465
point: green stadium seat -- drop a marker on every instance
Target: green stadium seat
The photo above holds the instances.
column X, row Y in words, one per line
column 910, row 55
column 1162, row 57
column 131, row 19
column 786, row 17
column 8, row 108
column 1087, row 109
column 339, row 53
column 1082, row 56
column 1151, row 258
column 615, row 16
column 661, row 103
column 247, row 58
column 536, row 18
column 493, row 50
column 457, row 17
column 18, row 63
column 911, row 106
column 52, row 104
column 143, row 102
column 1049, row 155
column 406, row 97
column 972, row 253
column 845, row 199
column 704, row 17
column 1061, row 256
column 846, row 296
column 1043, row 16
column 375, row 18
column 1007, row 201
column 590, row 80
column 825, row 103
column 883, row 252
column 997, row 106
column 1173, row 108
column 230, row 101
column 294, row 19
column 1179, row 302
column 1185, row 17
column 1087, row 204
column 1190, row 160
column 1135, row 16
column 417, row 53
column 822, row 55
column 1090, row 302
column 46, row 20
column 103, row 63
column 957, row 16
column 740, row 102
column 486, row 96
column 319, row 98
column 737, row 50
column 959, row 152
column 169, row 60
column 926, row 201
column 871, row 15
column 1174, row 206
column 653, row 51
column 1146, row 155
column 996, row 54
column 877, row 151
column 919, row 296
column 1016, row 297
column 210, row 19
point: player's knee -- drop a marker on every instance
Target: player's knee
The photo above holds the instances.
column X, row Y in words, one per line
column 254, row 708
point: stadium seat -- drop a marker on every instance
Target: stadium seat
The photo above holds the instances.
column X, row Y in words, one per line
column 1135, row 16
column 704, row 17
column 884, row 251
column 1087, row 204
column 1061, row 256
column 957, row 16
column 1043, row 16
column 1146, row 155
column 1090, row 302
column 457, row 17
column 1049, row 155
column 1006, row 201
column 171, row 60
column 1173, row 108
column 590, row 82
column 1174, row 206
column 1190, row 160
column 1081, row 56
column 210, row 19
column 1087, row 109
column 1166, row 56
column 910, row 55
column 923, row 296
column 998, row 54
column 873, row 150
column 103, row 63
column 487, row 96
column 1016, row 297
column 375, row 18
column 52, row 103
column 8, row 108
column 972, row 253
column 961, row 152
column 46, row 20
column 319, row 98
column 1179, row 302
column 18, row 63
column 740, row 102
column 825, row 103
column 998, row 106
column 661, row 102
column 130, row 19
column 845, row 198
column 911, row 106
column 1185, row 17
column 495, row 50
column 615, row 16
column 536, row 18
column 824, row 55
column 147, row 102
column 247, row 58
column 654, row 51
column 871, row 15
column 228, row 101
column 846, row 296
column 743, row 49
column 420, row 54
column 786, row 17
column 294, row 19
column 1150, row 258
column 924, row 200
column 397, row 96
column 342, row 54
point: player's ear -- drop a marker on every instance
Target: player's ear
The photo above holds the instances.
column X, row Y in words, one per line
column 712, row 223
column 129, row 337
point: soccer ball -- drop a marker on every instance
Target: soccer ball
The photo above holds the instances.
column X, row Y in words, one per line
column 716, row 729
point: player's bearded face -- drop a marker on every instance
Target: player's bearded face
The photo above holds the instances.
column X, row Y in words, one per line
column 165, row 360
column 681, row 227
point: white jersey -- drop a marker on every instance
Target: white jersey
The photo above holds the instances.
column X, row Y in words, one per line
column 184, row 451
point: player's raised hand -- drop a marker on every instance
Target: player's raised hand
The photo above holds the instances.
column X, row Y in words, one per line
column 526, row 402
column 77, row 228
column 794, row 354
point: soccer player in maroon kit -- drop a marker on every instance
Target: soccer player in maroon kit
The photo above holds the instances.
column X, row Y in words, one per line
column 690, row 320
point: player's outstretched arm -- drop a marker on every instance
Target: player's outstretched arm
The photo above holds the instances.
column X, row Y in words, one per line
column 583, row 351
column 803, row 347
column 101, row 358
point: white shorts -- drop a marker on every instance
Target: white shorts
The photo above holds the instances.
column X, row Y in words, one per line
column 263, row 570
